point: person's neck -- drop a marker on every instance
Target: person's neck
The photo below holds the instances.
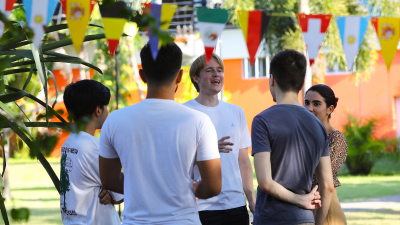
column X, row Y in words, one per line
column 207, row 100
column 329, row 128
column 160, row 92
column 288, row 98
column 91, row 128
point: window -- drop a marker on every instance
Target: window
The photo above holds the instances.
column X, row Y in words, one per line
column 336, row 69
column 258, row 70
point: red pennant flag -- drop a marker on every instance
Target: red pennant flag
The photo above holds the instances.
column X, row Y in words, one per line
column 314, row 28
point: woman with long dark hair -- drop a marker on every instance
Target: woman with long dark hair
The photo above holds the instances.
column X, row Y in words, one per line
column 321, row 101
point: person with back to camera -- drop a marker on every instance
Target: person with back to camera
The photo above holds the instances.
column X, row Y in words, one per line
column 321, row 101
column 229, row 207
column 157, row 142
column 289, row 145
column 83, row 199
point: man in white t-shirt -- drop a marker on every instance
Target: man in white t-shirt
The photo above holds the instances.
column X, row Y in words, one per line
column 158, row 142
column 82, row 198
column 229, row 207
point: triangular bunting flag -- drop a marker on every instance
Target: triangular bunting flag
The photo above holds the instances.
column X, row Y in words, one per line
column 352, row 30
column 314, row 28
column 253, row 24
column 131, row 29
column 38, row 15
column 78, row 16
column 6, row 6
column 64, row 6
column 113, row 22
column 163, row 13
column 211, row 22
column 387, row 29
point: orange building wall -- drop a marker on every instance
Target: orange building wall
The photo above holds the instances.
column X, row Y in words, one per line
column 370, row 99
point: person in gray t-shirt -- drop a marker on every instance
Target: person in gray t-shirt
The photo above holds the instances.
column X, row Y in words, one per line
column 289, row 145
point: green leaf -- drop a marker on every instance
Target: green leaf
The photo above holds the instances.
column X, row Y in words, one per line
column 74, row 60
column 13, row 96
column 23, row 63
column 15, row 118
column 1, row 184
column 59, row 27
column 55, row 87
column 66, row 42
column 24, row 53
column 8, row 72
column 38, row 101
column 3, row 210
column 39, row 155
column 16, row 45
column 29, row 77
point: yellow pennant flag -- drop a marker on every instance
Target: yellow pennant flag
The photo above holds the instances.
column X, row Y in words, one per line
column 387, row 29
column 78, row 17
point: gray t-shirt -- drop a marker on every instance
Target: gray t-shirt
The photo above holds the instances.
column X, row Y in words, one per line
column 297, row 140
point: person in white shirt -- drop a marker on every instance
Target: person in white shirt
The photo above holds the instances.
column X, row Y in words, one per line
column 229, row 207
column 82, row 197
column 157, row 142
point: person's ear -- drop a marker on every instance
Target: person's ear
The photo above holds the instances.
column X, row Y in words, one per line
column 97, row 112
column 330, row 109
column 142, row 76
column 272, row 80
column 179, row 77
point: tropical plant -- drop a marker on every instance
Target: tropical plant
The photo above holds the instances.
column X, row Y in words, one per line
column 19, row 58
column 364, row 148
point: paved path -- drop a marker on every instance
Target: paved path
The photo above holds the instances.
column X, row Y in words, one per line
column 372, row 204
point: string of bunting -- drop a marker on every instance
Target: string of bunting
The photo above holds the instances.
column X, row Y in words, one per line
column 211, row 23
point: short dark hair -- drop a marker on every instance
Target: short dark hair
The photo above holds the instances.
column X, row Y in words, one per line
column 327, row 93
column 164, row 69
column 82, row 98
column 289, row 70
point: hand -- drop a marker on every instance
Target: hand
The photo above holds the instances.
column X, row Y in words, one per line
column 311, row 200
column 105, row 197
column 195, row 185
column 252, row 206
column 222, row 145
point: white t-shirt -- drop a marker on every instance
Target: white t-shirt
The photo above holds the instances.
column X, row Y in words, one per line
column 158, row 142
column 80, row 183
column 229, row 120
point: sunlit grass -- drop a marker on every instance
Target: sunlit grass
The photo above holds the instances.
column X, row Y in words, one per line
column 32, row 188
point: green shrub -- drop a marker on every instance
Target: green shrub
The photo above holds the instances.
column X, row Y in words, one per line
column 364, row 148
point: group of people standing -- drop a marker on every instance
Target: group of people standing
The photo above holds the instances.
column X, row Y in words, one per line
column 189, row 164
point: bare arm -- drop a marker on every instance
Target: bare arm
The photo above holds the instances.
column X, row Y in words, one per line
column 262, row 165
column 246, row 172
column 210, row 184
column 325, row 181
column 110, row 174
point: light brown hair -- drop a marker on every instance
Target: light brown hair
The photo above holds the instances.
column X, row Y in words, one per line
column 199, row 64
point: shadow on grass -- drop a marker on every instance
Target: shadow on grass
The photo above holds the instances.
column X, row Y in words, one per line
column 380, row 211
column 35, row 189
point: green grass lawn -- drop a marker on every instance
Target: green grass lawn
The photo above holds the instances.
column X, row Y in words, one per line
column 32, row 188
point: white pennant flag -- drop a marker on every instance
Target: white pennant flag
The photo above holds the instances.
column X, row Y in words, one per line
column 39, row 14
